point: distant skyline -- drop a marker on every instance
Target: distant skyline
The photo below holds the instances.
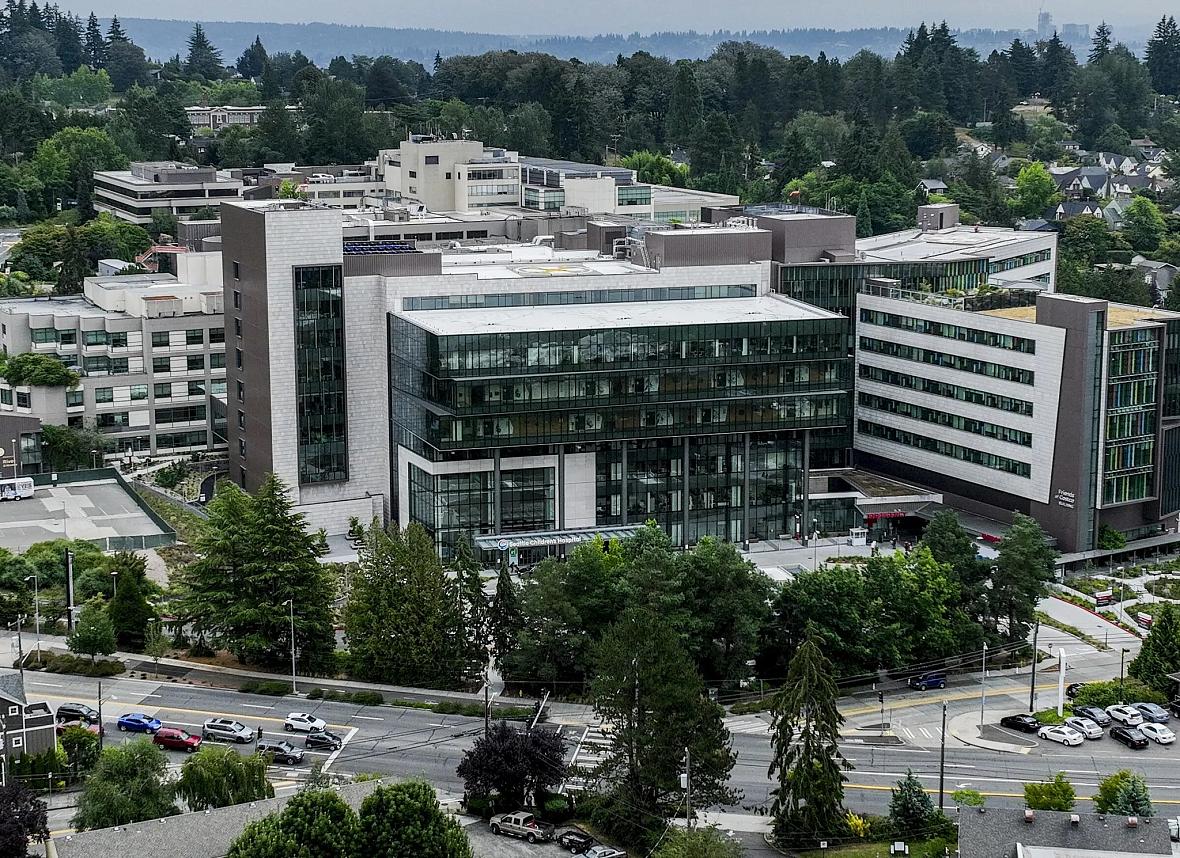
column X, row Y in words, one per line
column 555, row 17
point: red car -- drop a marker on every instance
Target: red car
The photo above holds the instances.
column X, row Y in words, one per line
column 62, row 726
column 176, row 739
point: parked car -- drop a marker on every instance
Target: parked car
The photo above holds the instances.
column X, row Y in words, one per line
column 96, row 729
column 1023, row 723
column 1174, row 705
column 605, row 852
column 280, row 751
column 1129, row 736
column 1126, row 715
column 575, row 840
column 1063, row 734
column 1071, row 690
column 227, row 730
column 1086, row 726
column 77, row 712
column 324, row 739
column 927, row 681
column 176, row 739
column 1095, row 713
column 1159, row 733
column 522, row 824
column 1152, row 713
column 137, row 722
column 302, row 722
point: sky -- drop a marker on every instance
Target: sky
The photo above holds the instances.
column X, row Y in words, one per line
column 588, row 17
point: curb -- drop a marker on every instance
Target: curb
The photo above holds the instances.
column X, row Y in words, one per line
column 977, row 742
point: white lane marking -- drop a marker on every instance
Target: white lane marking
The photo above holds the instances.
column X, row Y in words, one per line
column 368, row 717
column 153, row 695
column 961, row 766
column 925, row 732
column 908, row 732
column 45, row 684
column 256, row 706
column 332, row 757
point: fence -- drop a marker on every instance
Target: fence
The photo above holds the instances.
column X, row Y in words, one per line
column 115, row 543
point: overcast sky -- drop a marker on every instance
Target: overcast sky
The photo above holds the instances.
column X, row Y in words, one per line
column 587, row 17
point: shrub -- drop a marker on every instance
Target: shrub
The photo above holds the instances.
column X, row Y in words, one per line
column 368, row 698
column 968, row 798
column 315, row 694
column 1103, row 694
column 480, row 806
column 270, row 687
column 557, row 809
column 52, row 662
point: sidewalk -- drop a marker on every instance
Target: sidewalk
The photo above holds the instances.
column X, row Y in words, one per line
column 1090, row 623
column 966, row 729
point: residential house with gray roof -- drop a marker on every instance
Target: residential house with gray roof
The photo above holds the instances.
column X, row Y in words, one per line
column 1000, row 832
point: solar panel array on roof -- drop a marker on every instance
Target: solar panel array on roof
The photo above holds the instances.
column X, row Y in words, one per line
column 359, row 248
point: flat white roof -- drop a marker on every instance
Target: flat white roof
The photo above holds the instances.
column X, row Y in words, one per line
column 957, row 242
column 650, row 314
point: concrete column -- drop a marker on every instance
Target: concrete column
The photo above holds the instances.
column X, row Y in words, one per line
column 684, row 497
column 805, row 519
column 623, row 447
column 746, row 492
column 496, row 509
column 559, row 493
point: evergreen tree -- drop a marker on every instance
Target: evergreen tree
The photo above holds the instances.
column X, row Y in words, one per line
column 1023, row 569
column 1163, row 56
column 270, row 86
column 858, row 158
column 437, row 61
column 1100, row 43
column 910, row 808
column 1057, row 68
column 504, row 617
column 253, row 60
column 895, row 158
column 277, row 134
column 1133, row 799
column 474, row 603
column 685, row 106
column 115, row 31
column 805, row 755
column 67, row 35
column 405, row 819
column 204, row 60
column 93, row 632
column 1160, row 654
column 129, row 611
column 74, row 266
column 864, row 219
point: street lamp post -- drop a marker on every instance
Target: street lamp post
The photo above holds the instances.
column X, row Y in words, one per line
column 291, row 604
column 36, row 610
column 114, row 584
column 1122, row 661
column 20, row 644
column 983, row 687
column 94, row 460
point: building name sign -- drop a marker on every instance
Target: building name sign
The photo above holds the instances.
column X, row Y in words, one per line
column 1065, row 499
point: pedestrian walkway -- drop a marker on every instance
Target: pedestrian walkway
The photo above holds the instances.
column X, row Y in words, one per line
column 1089, row 623
column 590, row 752
column 753, row 725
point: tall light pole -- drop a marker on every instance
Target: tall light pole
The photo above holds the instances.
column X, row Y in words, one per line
column 36, row 610
column 1122, row 659
column 114, row 584
column 290, row 603
column 20, row 646
column 15, row 459
column 942, row 756
column 1032, row 686
column 983, row 687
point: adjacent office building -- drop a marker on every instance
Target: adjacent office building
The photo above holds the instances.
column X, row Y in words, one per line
column 522, row 391
column 148, row 186
column 150, row 350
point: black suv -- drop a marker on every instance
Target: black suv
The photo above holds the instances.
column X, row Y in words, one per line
column 77, row 712
column 280, row 751
column 323, row 739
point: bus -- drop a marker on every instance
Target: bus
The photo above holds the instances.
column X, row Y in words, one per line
column 17, row 489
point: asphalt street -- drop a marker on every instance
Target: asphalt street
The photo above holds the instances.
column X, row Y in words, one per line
column 407, row 742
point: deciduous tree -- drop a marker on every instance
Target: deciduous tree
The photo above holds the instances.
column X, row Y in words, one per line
column 1057, row 794
column 514, row 764
column 218, row 777
column 93, row 633
column 23, row 819
column 405, row 819
column 129, row 784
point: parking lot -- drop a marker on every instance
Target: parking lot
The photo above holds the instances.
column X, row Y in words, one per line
column 89, row 511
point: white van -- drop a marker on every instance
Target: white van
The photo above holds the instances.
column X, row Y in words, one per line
column 17, row 489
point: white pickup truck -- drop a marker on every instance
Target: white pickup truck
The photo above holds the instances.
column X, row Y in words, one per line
column 524, row 825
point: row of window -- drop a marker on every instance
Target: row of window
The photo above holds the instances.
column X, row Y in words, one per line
column 1000, row 265
column 1138, row 424
column 1133, row 362
column 1129, row 457
column 956, row 362
column 944, row 448
column 23, row 400
column 942, row 418
column 931, row 328
column 945, row 389
column 1127, row 488
column 577, row 296
column 1130, row 394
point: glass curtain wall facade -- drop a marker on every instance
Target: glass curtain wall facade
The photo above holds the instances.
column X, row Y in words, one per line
column 1132, row 386
column 698, row 427
column 321, row 400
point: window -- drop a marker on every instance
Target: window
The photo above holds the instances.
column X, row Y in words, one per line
column 196, row 388
column 241, row 470
column 6, row 395
column 104, row 394
column 194, row 337
column 159, row 339
column 162, row 365
column 67, row 338
column 238, row 328
column 413, row 174
column 242, row 452
column 238, row 358
column 217, row 388
column 112, row 420
column 44, row 335
column 180, row 414
column 237, row 276
column 237, row 300
column 163, row 390
column 319, row 374
column 241, row 419
column 217, row 360
column 945, row 448
column 195, row 362
column 95, row 338
column 241, row 392
column 430, row 159
column 138, row 392
column 74, row 398
column 117, row 339
column 23, row 400
column 216, row 335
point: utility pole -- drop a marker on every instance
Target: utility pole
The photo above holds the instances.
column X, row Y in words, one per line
column 942, row 757
column 20, row 646
column 1122, row 660
column 1032, row 686
column 487, row 706
column 291, row 604
column 688, row 788
column 881, row 701
column 101, row 729
column 37, row 611
column 69, row 589
column 983, row 687
column 1060, row 680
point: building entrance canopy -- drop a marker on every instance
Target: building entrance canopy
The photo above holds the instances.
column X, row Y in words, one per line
column 544, row 539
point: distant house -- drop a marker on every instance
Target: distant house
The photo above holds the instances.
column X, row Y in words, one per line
column 1158, row 275
column 932, row 186
column 1071, row 145
column 1069, row 209
column 1001, row 832
column 1113, row 162
column 25, row 728
column 1036, row 224
column 1114, row 212
column 999, row 162
column 1126, row 185
column 1080, row 182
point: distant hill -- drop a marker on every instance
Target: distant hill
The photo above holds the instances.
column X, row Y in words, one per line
column 321, row 42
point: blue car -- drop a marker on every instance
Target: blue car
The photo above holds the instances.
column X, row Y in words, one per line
column 137, row 722
column 1152, row 713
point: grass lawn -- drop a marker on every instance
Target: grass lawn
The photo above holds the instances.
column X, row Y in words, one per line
column 1165, row 588
column 1092, row 586
column 872, row 850
column 186, row 523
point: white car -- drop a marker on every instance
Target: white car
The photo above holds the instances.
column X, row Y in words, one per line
column 1158, row 733
column 301, row 722
column 1085, row 726
column 1127, row 715
column 1061, row 733
column 604, row 852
